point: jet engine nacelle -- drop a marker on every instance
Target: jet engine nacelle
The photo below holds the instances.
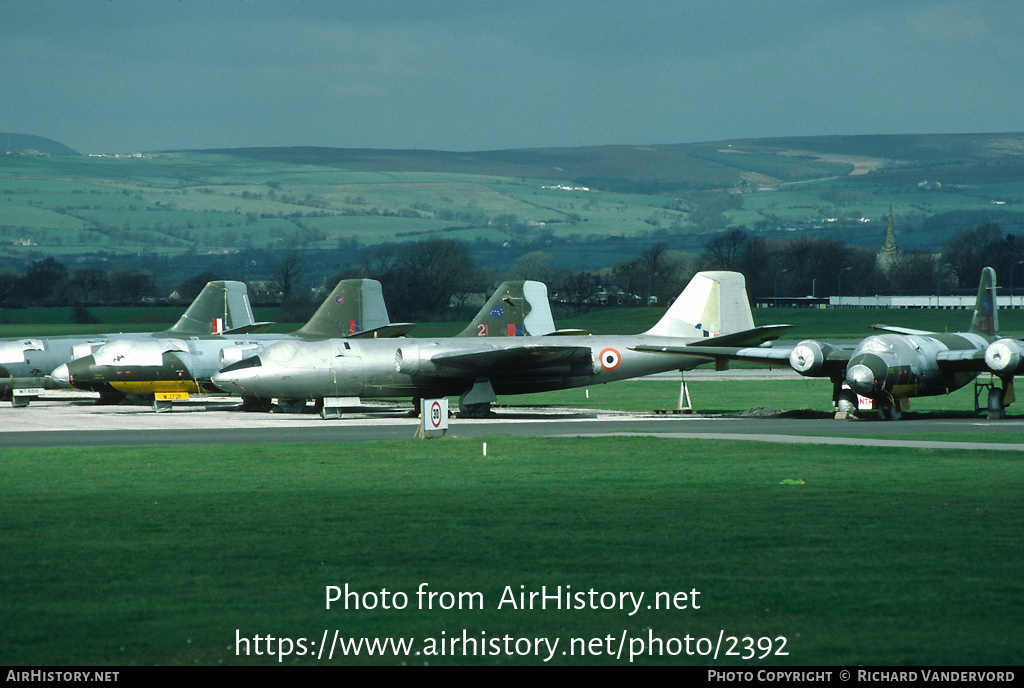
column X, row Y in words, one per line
column 14, row 352
column 234, row 354
column 1005, row 357
column 808, row 357
column 412, row 360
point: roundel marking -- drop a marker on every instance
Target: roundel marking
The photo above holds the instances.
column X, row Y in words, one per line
column 339, row 299
column 610, row 359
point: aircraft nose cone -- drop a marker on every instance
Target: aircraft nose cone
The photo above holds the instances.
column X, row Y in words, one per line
column 231, row 378
column 80, row 366
column 224, row 381
column 861, row 379
column 62, row 375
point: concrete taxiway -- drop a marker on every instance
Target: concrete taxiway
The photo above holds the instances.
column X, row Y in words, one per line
column 68, row 418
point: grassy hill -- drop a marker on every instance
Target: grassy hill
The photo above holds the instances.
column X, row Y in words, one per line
column 22, row 143
column 587, row 207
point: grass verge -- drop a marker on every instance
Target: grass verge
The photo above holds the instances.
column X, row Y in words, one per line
column 157, row 556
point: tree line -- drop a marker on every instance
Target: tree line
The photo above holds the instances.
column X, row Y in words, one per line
column 432, row 279
column 823, row 267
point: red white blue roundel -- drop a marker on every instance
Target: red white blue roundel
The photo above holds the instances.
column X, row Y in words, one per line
column 610, row 359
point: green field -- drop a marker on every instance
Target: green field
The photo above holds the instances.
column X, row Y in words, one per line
column 119, row 556
column 570, row 201
column 836, row 556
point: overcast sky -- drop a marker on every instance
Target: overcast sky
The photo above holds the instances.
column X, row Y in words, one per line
column 126, row 75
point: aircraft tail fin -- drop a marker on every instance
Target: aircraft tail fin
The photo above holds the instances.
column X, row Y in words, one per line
column 515, row 309
column 355, row 305
column 221, row 305
column 986, row 316
column 713, row 303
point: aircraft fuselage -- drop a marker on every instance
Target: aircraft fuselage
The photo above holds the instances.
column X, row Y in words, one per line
column 409, row 367
column 901, row 365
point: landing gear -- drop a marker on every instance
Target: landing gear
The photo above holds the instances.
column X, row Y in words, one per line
column 846, row 404
column 476, row 402
column 256, row 404
column 291, row 405
column 475, row 410
column 996, row 410
column 889, row 409
column 997, row 399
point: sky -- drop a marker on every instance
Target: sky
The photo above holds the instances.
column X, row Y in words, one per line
column 108, row 76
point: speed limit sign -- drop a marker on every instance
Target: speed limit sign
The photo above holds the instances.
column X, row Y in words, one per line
column 434, row 413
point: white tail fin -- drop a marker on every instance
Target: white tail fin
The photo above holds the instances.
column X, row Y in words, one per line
column 712, row 303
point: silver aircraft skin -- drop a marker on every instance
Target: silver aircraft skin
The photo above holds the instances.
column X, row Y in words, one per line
column 478, row 369
column 180, row 365
column 27, row 361
column 903, row 363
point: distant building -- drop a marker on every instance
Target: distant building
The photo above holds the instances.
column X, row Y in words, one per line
column 889, row 250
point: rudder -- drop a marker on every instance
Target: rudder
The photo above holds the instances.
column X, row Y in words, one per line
column 224, row 300
column 516, row 309
column 985, row 319
column 713, row 303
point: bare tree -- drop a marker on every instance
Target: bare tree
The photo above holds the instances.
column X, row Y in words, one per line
column 287, row 272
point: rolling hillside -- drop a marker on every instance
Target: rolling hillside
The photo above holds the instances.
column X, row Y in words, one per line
column 586, row 207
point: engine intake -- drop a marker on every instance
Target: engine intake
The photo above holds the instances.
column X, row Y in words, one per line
column 808, row 357
column 1005, row 357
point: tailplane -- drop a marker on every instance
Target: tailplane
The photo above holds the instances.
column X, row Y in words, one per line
column 516, row 309
column 712, row 303
column 220, row 306
column 356, row 306
column 986, row 317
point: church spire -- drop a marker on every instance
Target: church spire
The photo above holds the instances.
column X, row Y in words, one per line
column 890, row 236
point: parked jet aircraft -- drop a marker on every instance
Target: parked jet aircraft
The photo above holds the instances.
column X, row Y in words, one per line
column 26, row 363
column 714, row 303
column 516, row 309
column 171, row 367
column 891, row 368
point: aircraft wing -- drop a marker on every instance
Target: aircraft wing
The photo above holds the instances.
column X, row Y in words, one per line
column 754, row 354
column 900, row 330
column 962, row 360
column 254, row 328
column 758, row 335
column 384, row 331
column 520, row 359
column 567, row 333
column 834, row 363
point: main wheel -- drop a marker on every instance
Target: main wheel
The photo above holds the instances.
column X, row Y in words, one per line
column 996, row 410
column 475, row 410
column 890, row 411
column 291, row 405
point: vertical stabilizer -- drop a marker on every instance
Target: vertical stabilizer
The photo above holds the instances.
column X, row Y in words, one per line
column 712, row 303
column 986, row 317
column 355, row 305
column 225, row 301
column 515, row 309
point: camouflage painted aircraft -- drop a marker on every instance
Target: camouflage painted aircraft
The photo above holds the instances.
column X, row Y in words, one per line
column 25, row 364
column 169, row 367
column 891, row 368
column 714, row 303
